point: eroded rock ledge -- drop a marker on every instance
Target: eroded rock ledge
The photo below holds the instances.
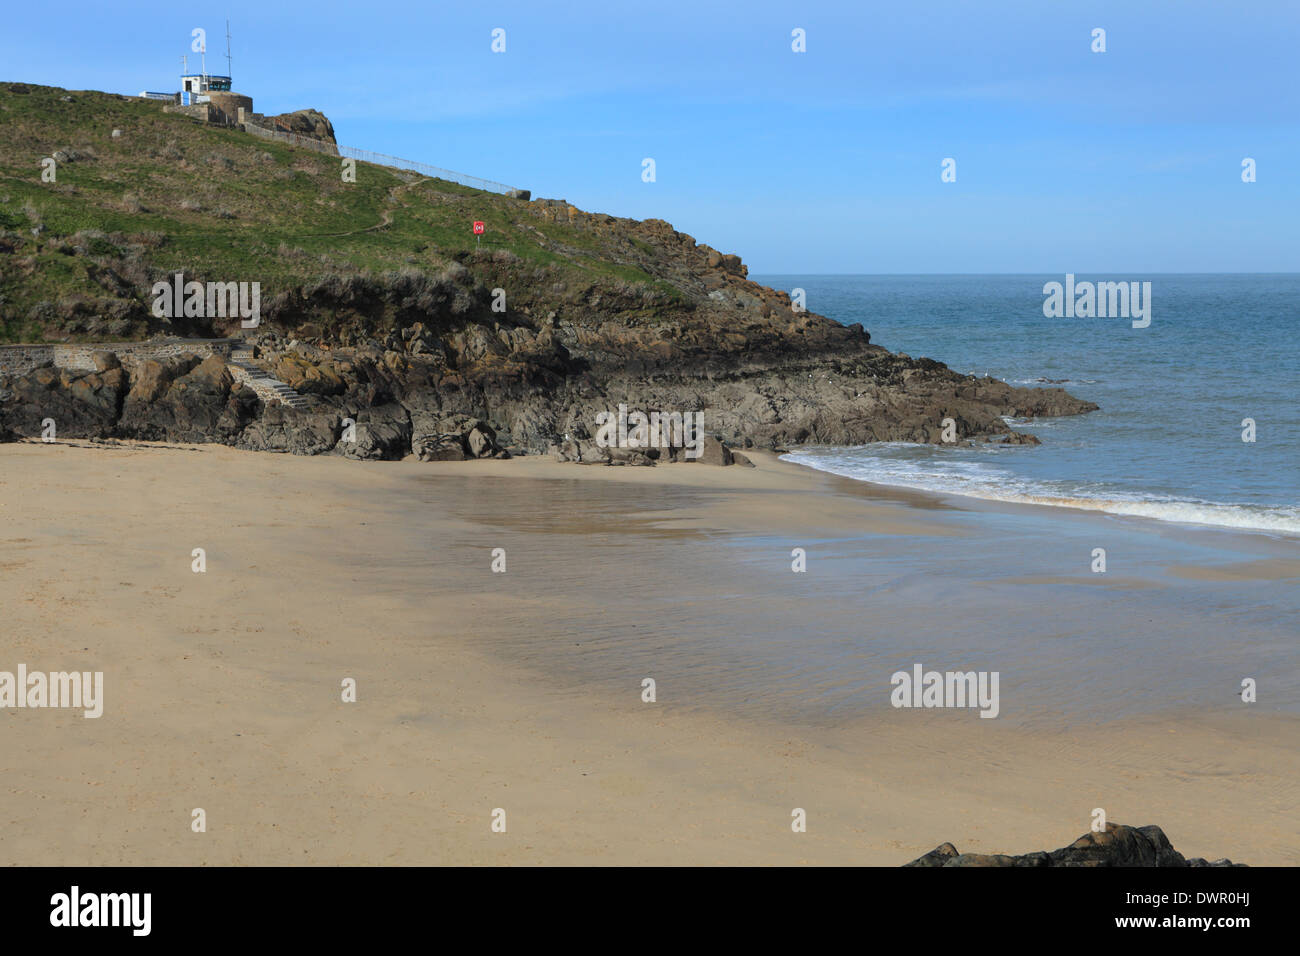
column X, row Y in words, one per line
column 472, row 393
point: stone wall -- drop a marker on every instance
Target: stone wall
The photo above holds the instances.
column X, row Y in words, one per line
column 203, row 112
column 20, row 359
column 293, row 139
column 221, row 109
column 226, row 106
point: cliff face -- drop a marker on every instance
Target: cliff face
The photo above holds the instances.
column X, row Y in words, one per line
column 311, row 123
column 378, row 305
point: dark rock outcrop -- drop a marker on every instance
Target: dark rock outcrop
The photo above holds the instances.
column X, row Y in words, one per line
column 141, row 418
column 1117, row 845
column 381, row 433
column 713, row 452
column 310, row 123
column 452, row 438
column 425, row 391
column 202, row 405
column 81, row 404
column 295, row 431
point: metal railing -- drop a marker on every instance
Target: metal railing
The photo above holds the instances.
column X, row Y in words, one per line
column 378, row 159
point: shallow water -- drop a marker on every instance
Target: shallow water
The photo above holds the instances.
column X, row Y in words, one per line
column 720, row 621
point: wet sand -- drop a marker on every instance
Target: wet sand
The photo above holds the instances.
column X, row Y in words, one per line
column 523, row 690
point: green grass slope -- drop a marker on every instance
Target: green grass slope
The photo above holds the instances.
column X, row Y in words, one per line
column 78, row 256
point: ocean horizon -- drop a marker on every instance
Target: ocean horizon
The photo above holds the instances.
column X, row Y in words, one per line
column 1176, row 397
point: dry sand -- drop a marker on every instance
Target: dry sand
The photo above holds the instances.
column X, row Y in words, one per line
column 222, row 689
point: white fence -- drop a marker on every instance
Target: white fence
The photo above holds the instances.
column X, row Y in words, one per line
column 379, row 159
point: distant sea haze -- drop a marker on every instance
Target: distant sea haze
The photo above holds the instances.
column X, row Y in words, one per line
column 1175, row 395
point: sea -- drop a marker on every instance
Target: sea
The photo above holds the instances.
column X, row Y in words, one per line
column 1221, row 354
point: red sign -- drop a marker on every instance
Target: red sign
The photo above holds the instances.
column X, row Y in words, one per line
column 478, row 228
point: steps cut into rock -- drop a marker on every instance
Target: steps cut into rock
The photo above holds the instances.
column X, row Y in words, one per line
column 268, row 388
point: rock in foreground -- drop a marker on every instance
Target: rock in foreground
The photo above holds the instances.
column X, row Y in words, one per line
column 1118, row 845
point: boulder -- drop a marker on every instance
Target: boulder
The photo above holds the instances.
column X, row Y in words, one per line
column 143, row 415
column 383, row 433
column 939, row 856
column 1118, row 845
column 439, row 448
column 82, row 405
column 590, row 453
column 211, row 374
column 152, row 378
column 581, row 450
column 451, row 437
column 199, row 406
column 307, row 377
column 481, row 441
column 104, row 392
column 306, row 431
column 564, row 451
column 630, row 456
column 713, row 452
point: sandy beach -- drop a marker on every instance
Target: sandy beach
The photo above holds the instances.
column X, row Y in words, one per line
column 522, row 690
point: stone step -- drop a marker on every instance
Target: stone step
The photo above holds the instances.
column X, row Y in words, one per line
column 265, row 384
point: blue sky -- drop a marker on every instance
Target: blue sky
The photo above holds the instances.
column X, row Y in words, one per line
column 1127, row 161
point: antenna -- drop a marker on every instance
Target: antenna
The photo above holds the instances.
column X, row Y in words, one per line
column 228, row 73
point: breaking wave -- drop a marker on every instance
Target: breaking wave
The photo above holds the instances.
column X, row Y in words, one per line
column 990, row 482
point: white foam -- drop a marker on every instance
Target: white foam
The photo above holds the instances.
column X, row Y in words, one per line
column 988, row 482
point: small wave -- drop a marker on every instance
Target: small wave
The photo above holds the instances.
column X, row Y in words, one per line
column 977, row 480
column 1050, row 381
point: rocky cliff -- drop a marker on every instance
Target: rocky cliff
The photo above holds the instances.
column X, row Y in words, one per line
column 379, row 306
